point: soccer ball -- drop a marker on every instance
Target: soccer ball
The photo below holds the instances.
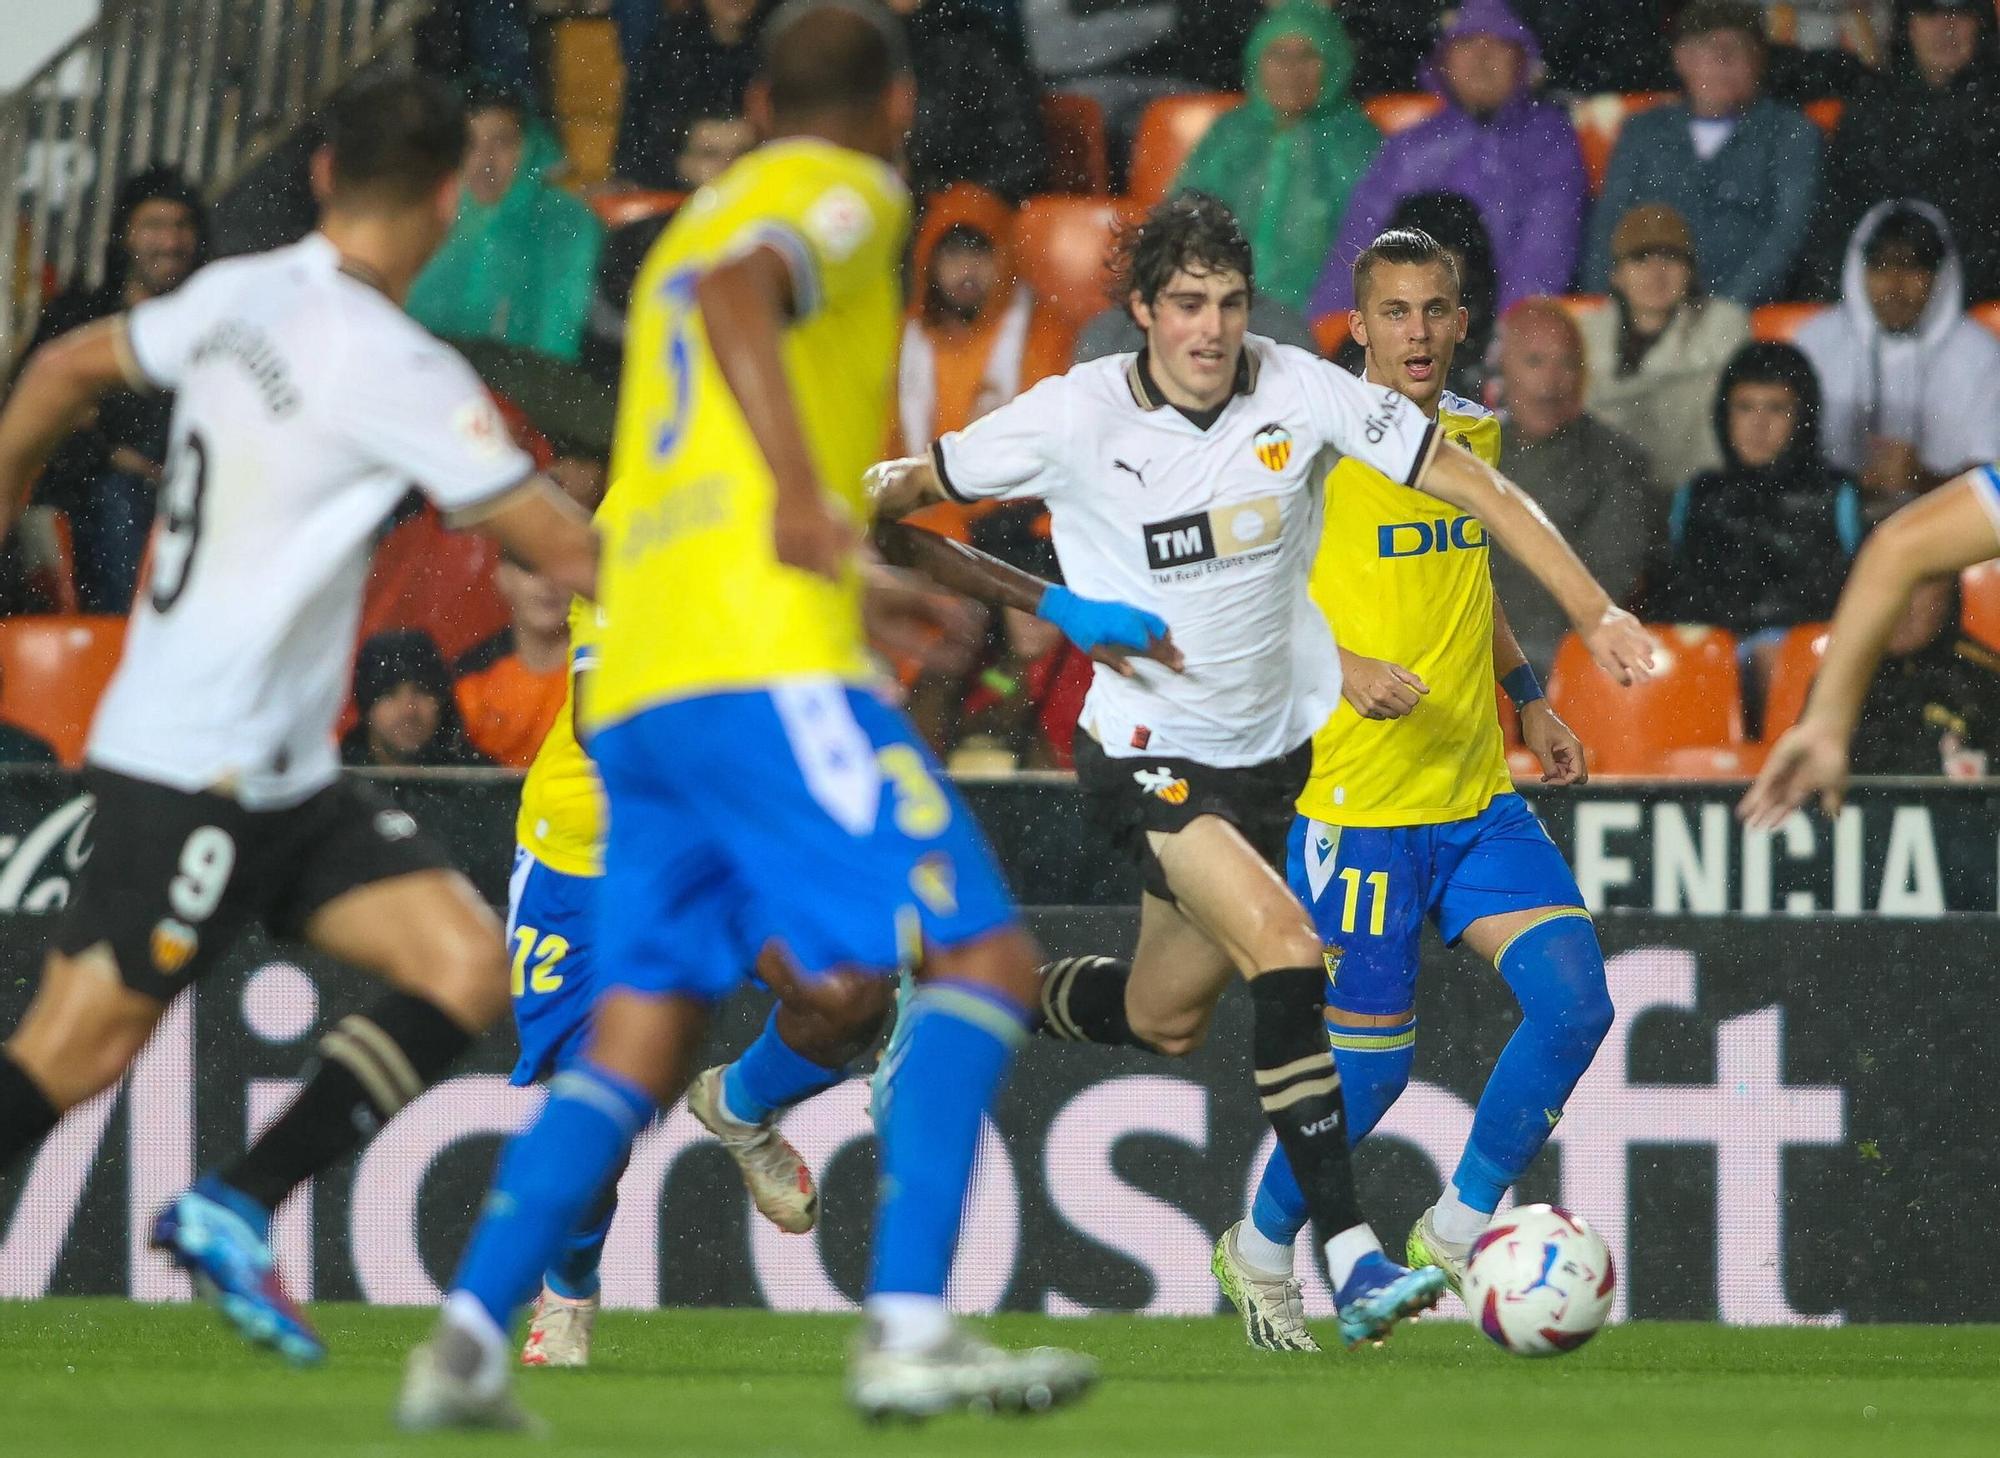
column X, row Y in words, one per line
column 1539, row 1281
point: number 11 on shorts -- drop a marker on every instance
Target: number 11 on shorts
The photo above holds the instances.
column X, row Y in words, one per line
column 1378, row 899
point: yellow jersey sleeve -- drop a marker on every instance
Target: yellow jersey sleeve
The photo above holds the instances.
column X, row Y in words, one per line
column 695, row 600
column 561, row 821
column 1403, row 576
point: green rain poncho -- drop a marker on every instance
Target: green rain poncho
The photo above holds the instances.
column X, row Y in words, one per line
column 520, row 270
column 1288, row 186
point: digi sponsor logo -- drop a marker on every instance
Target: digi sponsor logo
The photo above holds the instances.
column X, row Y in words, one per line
column 1421, row 538
column 1224, row 531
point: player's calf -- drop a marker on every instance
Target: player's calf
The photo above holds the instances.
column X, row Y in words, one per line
column 80, row 1034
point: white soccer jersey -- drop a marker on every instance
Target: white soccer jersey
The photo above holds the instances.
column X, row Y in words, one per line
column 307, row 404
column 1215, row 530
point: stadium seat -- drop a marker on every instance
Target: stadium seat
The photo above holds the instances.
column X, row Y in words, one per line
column 52, row 672
column 1167, row 133
column 1780, row 323
column 588, row 144
column 1598, row 121
column 1331, row 331
column 1986, row 315
column 1791, row 676
column 1979, row 603
column 1825, row 113
column 1398, row 111
column 1079, row 159
column 1060, row 246
column 616, row 209
column 1693, row 701
column 588, row 74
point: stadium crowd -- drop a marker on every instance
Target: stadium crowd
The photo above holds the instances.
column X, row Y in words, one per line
column 1727, row 266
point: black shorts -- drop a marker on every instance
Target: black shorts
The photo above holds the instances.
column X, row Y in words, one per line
column 1125, row 798
column 175, row 877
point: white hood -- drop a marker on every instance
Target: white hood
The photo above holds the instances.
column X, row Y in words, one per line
column 1947, row 301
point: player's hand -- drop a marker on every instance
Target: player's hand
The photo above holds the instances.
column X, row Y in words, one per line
column 1809, row 758
column 909, row 619
column 895, row 488
column 808, row 532
column 1112, row 633
column 1553, row 743
column 1621, row 646
column 1379, row 689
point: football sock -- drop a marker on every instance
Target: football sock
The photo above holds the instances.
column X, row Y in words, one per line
column 1457, row 1222
column 366, row 1068
column 573, row 1273
column 1300, row 1090
column 26, row 1115
column 958, row 1042
column 1083, row 1001
column 769, row 1075
column 908, row 1323
column 1348, row 1250
column 547, row 1180
column 1374, row 1065
column 1556, row 970
column 1265, row 1256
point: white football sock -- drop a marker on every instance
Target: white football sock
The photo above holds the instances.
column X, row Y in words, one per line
column 1456, row 1222
column 1346, row 1249
column 909, row 1323
column 1261, row 1253
column 463, row 1314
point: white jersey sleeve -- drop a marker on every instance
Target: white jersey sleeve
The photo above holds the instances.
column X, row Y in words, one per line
column 1373, row 423
column 419, row 411
column 164, row 331
column 1014, row 452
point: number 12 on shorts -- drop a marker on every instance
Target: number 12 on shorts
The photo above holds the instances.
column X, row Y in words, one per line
column 536, row 959
column 1378, row 899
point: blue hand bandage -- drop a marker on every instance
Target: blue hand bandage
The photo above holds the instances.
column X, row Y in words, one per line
column 1091, row 624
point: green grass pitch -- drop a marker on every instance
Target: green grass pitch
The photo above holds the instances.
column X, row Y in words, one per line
column 105, row 1377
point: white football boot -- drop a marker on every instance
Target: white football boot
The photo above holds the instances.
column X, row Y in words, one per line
column 780, row 1185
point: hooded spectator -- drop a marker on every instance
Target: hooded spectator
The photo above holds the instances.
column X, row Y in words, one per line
column 1912, row 386
column 698, row 60
column 1740, row 168
column 1496, row 142
column 1929, row 128
column 1286, row 160
column 408, row 714
column 1655, row 355
column 979, row 108
column 106, row 475
column 519, row 263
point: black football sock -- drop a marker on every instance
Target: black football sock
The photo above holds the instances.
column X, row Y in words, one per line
column 26, row 1115
column 1300, row 1090
column 1083, row 1001
column 366, row 1068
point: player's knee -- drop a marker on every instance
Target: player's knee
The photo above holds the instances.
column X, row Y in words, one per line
column 1557, row 972
column 460, row 966
column 1175, row 1034
column 1589, row 1017
column 839, row 1018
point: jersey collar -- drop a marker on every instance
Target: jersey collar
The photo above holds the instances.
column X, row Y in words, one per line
column 1147, row 396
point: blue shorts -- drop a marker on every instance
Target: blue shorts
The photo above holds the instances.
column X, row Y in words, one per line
column 1369, row 890
column 549, row 924
column 810, row 813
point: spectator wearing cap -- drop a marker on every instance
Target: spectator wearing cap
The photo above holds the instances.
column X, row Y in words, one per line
column 408, row 714
column 1740, row 168
column 1912, row 385
column 1928, row 128
column 1496, row 142
column 1655, row 355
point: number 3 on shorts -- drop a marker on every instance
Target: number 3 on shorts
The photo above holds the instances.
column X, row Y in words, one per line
column 207, row 858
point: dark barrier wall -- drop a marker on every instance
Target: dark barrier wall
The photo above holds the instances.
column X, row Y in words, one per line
column 1791, row 1122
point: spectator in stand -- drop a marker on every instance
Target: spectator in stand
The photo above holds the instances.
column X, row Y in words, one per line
column 1762, row 543
column 1655, row 355
column 106, row 475
column 979, row 108
column 511, row 687
column 408, row 716
column 1822, row 48
column 1603, row 45
column 1454, row 221
column 1740, row 168
column 1287, row 159
column 520, row 261
column 1496, row 142
column 1929, row 128
column 1934, row 705
column 698, row 62
column 1593, row 481
column 1911, row 385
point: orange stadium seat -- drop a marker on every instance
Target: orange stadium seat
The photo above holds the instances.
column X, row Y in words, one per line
column 1398, row 111
column 1581, row 306
column 1825, row 113
column 1598, row 121
column 1167, row 133
column 1332, row 332
column 1791, row 677
column 1061, row 245
column 1987, row 314
column 52, row 672
column 1979, row 603
column 1693, row 702
column 1780, row 323
column 588, row 73
column 616, row 209
column 1079, row 159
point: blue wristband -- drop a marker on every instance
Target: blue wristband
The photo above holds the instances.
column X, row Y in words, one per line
column 1522, row 686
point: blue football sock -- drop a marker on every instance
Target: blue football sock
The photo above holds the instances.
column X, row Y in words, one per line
column 1374, row 1066
column 549, row 1177
column 955, row 1051
column 769, row 1076
column 573, row 1273
column 1556, row 970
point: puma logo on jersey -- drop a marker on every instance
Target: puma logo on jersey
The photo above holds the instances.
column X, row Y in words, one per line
column 1163, row 783
column 1137, row 473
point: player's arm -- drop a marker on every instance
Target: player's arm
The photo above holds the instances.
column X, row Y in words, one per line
column 1620, row 645
column 541, row 527
column 62, row 381
column 1108, row 631
column 1946, row 531
column 910, row 483
column 746, row 305
column 1549, row 739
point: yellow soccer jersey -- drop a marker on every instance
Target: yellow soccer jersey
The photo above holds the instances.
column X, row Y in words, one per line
column 1404, row 576
column 695, row 601
column 561, row 823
